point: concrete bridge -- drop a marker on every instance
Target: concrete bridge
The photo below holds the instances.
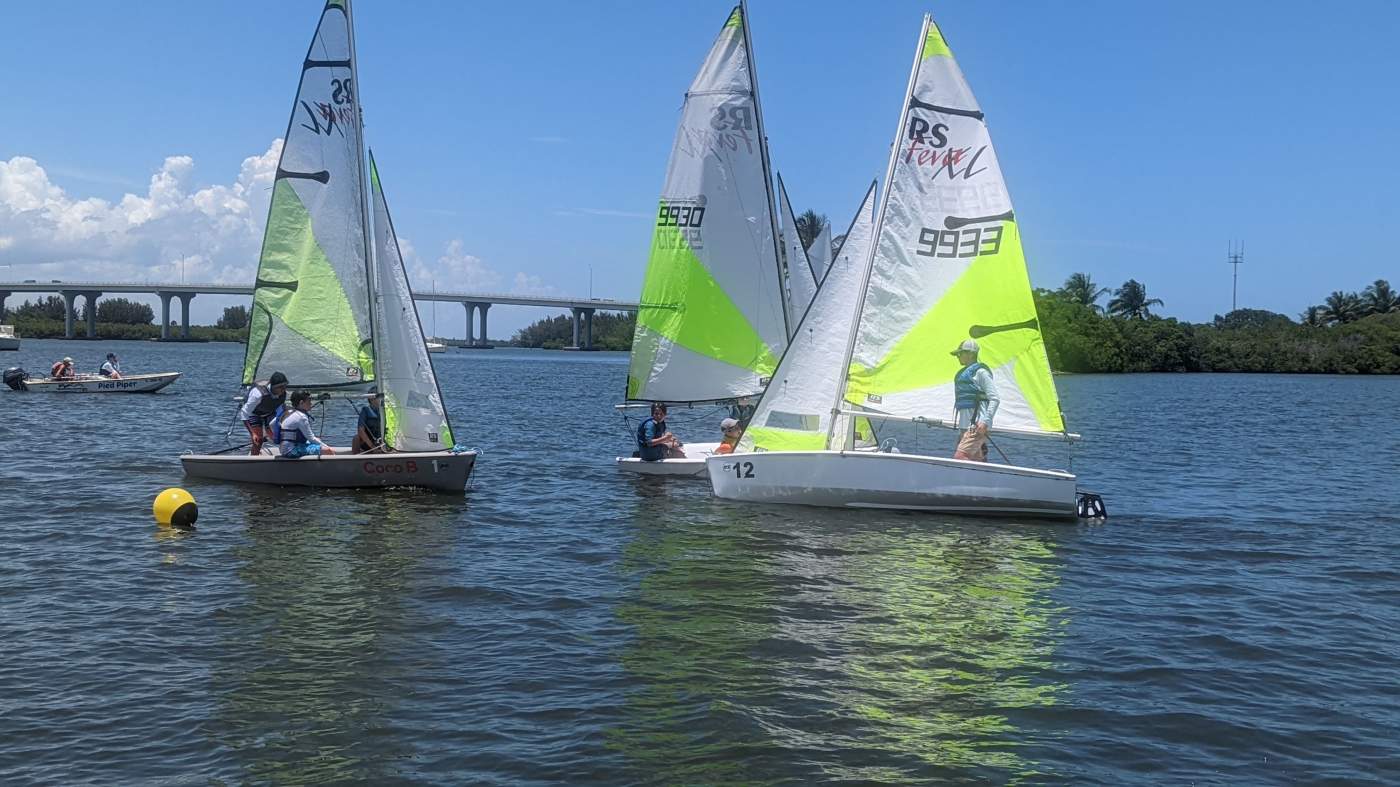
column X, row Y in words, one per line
column 476, row 303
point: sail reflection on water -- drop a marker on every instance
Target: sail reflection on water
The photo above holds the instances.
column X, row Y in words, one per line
column 873, row 651
column 324, row 623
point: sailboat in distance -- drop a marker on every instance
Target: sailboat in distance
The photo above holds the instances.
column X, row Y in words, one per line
column 875, row 346
column 712, row 321
column 332, row 309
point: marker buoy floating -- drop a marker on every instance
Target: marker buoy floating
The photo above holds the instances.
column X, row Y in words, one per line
column 175, row 507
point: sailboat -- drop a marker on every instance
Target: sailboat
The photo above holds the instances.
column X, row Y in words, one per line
column 332, row 309
column 874, row 348
column 713, row 320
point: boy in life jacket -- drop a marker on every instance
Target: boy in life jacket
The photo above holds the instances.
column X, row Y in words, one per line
column 297, row 437
column 260, row 406
column 62, row 369
column 976, row 402
column 654, row 441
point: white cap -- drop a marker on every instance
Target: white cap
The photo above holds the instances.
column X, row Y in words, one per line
column 727, row 424
column 968, row 346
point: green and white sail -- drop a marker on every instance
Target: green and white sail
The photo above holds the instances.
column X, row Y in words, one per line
column 311, row 304
column 801, row 279
column 711, row 324
column 795, row 413
column 947, row 265
column 414, row 416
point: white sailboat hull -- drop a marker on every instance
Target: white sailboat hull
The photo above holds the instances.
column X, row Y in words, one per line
column 438, row 470
column 692, row 465
column 895, row 481
column 136, row 383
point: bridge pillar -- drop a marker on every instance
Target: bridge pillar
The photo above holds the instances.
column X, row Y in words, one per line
column 164, row 314
column 68, row 316
column 471, row 308
column 91, row 299
column 577, row 311
column 4, row 295
column 483, row 307
column 588, row 329
column 185, row 298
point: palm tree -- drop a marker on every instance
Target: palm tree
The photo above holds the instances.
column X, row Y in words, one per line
column 1080, row 288
column 809, row 225
column 1344, row 307
column 1381, row 299
column 1314, row 316
column 1131, row 300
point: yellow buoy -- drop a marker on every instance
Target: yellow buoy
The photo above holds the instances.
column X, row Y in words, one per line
column 175, row 508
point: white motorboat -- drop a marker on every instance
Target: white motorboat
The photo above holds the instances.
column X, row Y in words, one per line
column 8, row 339
column 332, row 308
column 873, row 350
column 96, row 383
column 435, row 347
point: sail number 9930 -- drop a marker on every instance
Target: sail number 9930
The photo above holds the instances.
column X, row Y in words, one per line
column 680, row 216
column 970, row 242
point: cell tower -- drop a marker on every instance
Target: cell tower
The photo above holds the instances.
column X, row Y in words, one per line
column 1235, row 257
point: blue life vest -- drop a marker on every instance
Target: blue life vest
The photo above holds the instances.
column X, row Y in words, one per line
column 642, row 439
column 968, row 395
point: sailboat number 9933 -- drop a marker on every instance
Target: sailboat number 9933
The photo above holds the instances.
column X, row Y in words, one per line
column 741, row 469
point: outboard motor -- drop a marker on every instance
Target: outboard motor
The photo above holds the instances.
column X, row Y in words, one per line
column 15, row 377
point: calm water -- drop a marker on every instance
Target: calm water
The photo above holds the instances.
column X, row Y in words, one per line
column 1236, row 622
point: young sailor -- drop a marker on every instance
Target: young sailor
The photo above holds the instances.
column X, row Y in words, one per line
column 732, row 432
column 62, row 369
column 976, row 402
column 110, row 367
column 258, row 409
column 297, row 438
column 369, row 433
column 654, row 441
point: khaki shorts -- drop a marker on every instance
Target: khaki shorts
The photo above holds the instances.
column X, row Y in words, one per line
column 972, row 446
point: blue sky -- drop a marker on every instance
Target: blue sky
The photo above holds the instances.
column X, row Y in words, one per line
column 522, row 143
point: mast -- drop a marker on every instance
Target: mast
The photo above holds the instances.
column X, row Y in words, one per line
column 767, row 168
column 875, row 234
column 364, row 191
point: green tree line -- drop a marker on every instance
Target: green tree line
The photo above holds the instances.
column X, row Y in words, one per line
column 611, row 331
column 117, row 318
column 1349, row 334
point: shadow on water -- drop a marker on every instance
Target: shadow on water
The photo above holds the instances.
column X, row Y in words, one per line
column 775, row 643
column 322, row 648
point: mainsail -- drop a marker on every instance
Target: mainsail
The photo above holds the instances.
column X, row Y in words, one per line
column 311, row 308
column 947, row 265
column 801, row 279
column 795, row 412
column 414, row 416
column 819, row 253
column 711, row 325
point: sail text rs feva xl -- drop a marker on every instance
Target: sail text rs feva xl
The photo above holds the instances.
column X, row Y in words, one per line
column 945, row 265
column 332, row 308
column 712, row 321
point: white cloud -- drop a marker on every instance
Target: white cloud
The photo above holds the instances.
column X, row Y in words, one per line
column 214, row 232
column 211, row 234
column 527, row 284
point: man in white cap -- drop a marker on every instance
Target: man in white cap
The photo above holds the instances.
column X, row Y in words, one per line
column 976, row 402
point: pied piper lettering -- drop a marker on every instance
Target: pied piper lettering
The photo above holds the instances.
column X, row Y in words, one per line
column 380, row 468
